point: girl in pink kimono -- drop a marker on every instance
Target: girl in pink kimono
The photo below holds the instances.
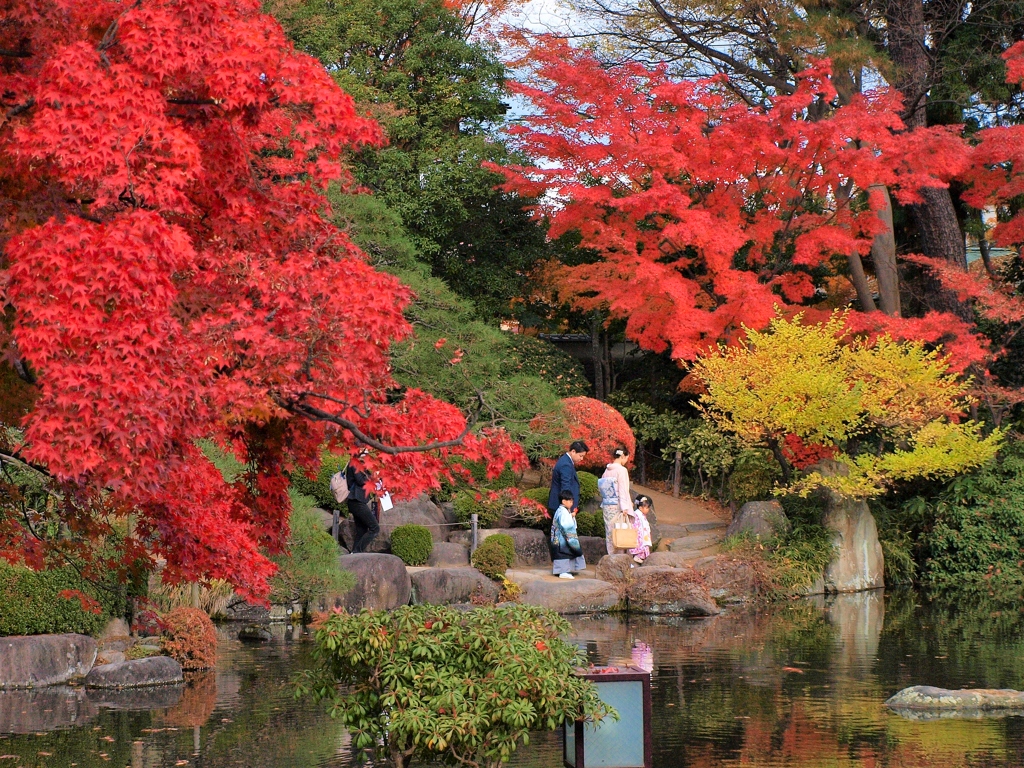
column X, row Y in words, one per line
column 643, row 529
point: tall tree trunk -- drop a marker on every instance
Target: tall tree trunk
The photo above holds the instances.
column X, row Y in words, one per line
column 883, row 254
column 860, row 282
column 607, row 366
column 596, row 357
column 935, row 216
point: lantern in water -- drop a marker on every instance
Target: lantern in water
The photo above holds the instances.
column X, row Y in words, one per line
column 610, row 743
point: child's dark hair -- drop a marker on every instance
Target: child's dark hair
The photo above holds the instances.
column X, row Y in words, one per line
column 565, row 496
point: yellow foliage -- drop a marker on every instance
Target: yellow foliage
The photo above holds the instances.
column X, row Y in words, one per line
column 894, row 405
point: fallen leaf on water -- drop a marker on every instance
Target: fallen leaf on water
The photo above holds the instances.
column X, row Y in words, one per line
column 8, row 757
column 45, row 754
column 182, row 762
column 106, row 738
column 792, row 669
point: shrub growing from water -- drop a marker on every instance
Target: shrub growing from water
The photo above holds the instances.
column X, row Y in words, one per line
column 429, row 683
column 412, row 543
column 190, row 639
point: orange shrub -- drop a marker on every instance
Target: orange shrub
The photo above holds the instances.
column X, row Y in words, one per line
column 190, row 638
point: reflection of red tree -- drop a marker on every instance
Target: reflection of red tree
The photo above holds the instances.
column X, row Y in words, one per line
column 197, row 702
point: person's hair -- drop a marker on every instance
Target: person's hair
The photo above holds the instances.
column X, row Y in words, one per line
column 641, row 500
column 620, row 452
column 565, row 496
column 579, row 446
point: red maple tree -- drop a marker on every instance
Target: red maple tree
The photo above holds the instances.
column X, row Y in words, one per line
column 597, row 424
column 706, row 213
column 169, row 273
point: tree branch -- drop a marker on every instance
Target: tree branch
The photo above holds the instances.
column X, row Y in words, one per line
column 15, row 54
column 317, row 414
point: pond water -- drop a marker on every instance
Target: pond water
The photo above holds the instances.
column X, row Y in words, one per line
column 799, row 684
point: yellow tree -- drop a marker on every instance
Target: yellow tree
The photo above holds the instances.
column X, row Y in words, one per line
column 887, row 410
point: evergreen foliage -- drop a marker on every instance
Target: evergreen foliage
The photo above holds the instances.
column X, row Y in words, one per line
column 412, row 543
column 31, row 602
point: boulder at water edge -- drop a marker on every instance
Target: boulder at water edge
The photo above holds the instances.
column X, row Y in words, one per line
column 444, row 586
column 761, row 519
column 382, row 583
column 857, row 560
column 576, row 596
column 156, row 670
column 531, row 545
column 29, row 662
column 728, row 579
column 669, row 591
column 925, row 697
column 448, row 554
column 615, row 569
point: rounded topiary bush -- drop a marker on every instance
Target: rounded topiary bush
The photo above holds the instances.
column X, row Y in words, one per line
column 588, row 486
column 494, row 556
column 412, row 543
column 590, row 523
column 46, row 602
column 190, row 639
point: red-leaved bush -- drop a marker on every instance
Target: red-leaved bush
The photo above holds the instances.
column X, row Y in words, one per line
column 597, row 424
column 190, row 638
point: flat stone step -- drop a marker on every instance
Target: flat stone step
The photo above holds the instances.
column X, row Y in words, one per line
column 709, row 526
column 696, row 541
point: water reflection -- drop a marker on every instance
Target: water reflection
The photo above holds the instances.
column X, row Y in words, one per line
column 801, row 684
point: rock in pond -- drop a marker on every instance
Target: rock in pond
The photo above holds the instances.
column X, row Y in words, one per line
column 669, row 591
column 576, row 596
column 444, row 586
column 30, row 662
column 382, row 583
column 531, row 545
column 44, row 709
column 155, row 670
column 857, row 562
column 761, row 519
column 925, row 697
column 448, row 554
column 136, row 699
column 255, row 633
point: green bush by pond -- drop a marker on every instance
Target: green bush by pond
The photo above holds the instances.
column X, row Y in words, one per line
column 495, row 555
column 427, row 682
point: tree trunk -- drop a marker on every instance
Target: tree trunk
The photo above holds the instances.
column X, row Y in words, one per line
column 641, row 463
column 607, row 366
column 883, row 254
column 595, row 356
column 935, row 216
column 860, row 283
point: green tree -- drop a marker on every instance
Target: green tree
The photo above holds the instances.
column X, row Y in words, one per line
column 438, row 96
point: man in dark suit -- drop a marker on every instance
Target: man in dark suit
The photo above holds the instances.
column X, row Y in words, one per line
column 564, row 477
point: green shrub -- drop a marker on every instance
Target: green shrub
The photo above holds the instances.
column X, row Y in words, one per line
column 412, row 543
column 32, row 604
column 309, row 569
column 535, row 357
column 588, row 487
column 540, row 495
column 753, row 477
column 474, row 684
column 492, row 557
column 590, row 523
column 507, row 543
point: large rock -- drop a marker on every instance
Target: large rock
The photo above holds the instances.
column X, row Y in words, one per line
column 594, row 548
column 444, row 586
column 382, row 583
column 137, row 699
column 448, row 554
column 532, row 546
column 44, row 709
column 761, row 519
column 576, row 596
column 156, row 670
column 925, row 697
column 669, row 591
column 615, row 569
column 857, row 562
column 418, row 511
column 30, row 662
column 729, row 579
column 672, row 559
column 696, row 541
column 240, row 610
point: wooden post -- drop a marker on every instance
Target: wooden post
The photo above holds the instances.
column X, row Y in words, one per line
column 675, row 476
